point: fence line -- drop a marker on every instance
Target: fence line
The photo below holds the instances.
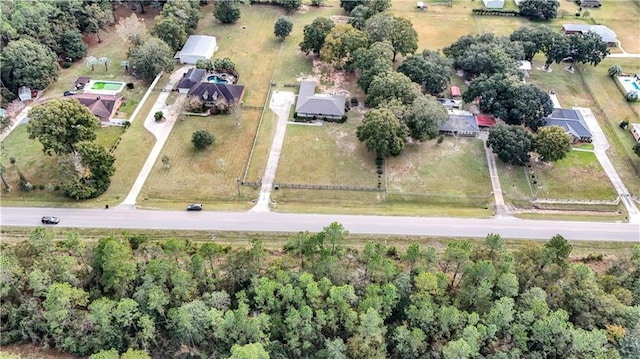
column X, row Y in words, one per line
column 277, row 186
column 576, row 201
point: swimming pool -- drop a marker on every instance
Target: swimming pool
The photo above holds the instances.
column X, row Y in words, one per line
column 216, row 79
column 107, row 87
column 629, row 84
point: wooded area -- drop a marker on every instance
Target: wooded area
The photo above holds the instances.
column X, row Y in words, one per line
column 317, row 298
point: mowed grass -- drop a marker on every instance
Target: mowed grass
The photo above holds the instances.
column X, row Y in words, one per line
column 577, row 176
column 41, row 169
column 207, row 176
column 326, row 155
column 621, row 16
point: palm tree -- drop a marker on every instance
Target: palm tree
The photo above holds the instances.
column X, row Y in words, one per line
column 91, row 61
column 104, row 61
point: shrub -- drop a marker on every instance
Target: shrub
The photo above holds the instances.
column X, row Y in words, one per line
column 201, row 139
column 56, row 187
column 624, row 124
column 66, row 65
column 26, row 185
column 631, row 96
column 354, row 101
column 41, row 187
column 158, row 116
column 614, row 70
column 130, row 85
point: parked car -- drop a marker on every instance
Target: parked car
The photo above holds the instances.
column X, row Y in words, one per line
column 50, row 220
column 69, row 93
column 194, row 207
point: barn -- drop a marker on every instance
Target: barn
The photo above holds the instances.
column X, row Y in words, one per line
column 197, row 47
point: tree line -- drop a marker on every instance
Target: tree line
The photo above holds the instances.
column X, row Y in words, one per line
column 317, row 298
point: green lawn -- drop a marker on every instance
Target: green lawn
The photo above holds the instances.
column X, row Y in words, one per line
column 207, row 176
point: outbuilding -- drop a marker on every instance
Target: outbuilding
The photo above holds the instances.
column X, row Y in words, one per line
column 493, row 4
column 197, row 47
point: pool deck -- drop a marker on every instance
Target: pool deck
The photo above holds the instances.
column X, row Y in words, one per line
column 88, row 89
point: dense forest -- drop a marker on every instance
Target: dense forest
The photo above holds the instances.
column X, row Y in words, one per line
column 316, row 298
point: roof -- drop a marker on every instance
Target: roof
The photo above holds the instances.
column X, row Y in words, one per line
column 455, row 91
column 320, row 104
column 523, row 65
column 485, row 120
column 460, row 123
column 576, row 27
column 190, row 78
column 83, row 80
column 570, row 120
column 103, row 106
column 199, row 45
column 493, row 4
column 605, row 33
column 231, row 93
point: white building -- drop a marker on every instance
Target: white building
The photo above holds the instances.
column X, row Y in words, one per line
column 197, row 47
column 493, row 4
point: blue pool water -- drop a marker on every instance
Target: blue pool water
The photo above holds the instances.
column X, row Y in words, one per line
column 635, row 85
column 216, row 79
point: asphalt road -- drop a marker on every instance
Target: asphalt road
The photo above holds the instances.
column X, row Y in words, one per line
column 283, row 222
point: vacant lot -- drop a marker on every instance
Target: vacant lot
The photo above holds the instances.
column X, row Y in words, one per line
column 208, row 176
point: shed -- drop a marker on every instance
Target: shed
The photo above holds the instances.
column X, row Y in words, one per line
column 24, row 93
column 635, row 131
column 455, row 93
column 493, row 4
column 197, row 47
column 485, row 120
column 590, row 3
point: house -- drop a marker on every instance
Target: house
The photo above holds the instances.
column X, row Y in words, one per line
column 590, row 3
column 485, row 121
column 320, row 106
column 493, row 4
column 460, row 123
column 217, row 95
column 607, row 35
column 572, row 122
column 635, row 131
column 190, row 79
column 197, row 47
column 102, row 106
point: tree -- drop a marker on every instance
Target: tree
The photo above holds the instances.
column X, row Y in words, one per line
column 171, row 31
column 429, row 70
column 533, row 39
column 60, row 124
column 132, row 30
column 397, row 30
column 526, row 104
column 382, row 133
column 587, row 48
column 614, row 70
column 315, row 33
column 103, row 60
column 227, row 11
column 512, row 144
column 539, row 9
column 98, row 18
column 636, row 149
column 27, row 63
column 341, row 43
column 201, row 139
column 552, row 143
column 557, row 49
column 290, row 5
column 424, row 116
column 113, row 265
column 282, row 28
column 89, row 172
column 186, row 13
column 73, row 46
column 91, row 61
column 152, row 57
column 249, row 351
column 392, row 85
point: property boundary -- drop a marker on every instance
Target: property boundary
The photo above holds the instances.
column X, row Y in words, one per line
column 277, row 186
column 255, row 137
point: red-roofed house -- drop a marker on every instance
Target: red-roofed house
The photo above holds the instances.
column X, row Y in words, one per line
column 485, row 120
column 455, row 93
column 103, row 106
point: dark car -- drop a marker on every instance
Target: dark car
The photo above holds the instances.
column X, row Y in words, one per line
column 69, row 93
column 50, row 220
column 194, row 207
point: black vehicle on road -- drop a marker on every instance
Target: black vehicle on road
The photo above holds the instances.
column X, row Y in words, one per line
column 194, row 207
column 50, row 220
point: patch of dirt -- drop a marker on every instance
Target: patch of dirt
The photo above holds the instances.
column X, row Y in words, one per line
column 324, row 73
column 32, row 351
column 345, row 142
column 302, row 9
column 339, row 19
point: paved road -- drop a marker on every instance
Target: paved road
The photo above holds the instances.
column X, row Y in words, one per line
column 282, row 222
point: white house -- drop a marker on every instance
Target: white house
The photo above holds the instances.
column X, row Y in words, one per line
column 493, row 4
column 197, row 47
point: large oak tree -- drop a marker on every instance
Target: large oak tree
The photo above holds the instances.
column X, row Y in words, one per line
column 382, row 133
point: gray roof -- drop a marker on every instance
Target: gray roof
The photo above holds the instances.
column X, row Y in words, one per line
column 576, row 27
column 320, row 104
column 231, row 93
column 199, row 45
column 605, row 33
column 570, row 120
column 460, row 123
column 192, row 77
